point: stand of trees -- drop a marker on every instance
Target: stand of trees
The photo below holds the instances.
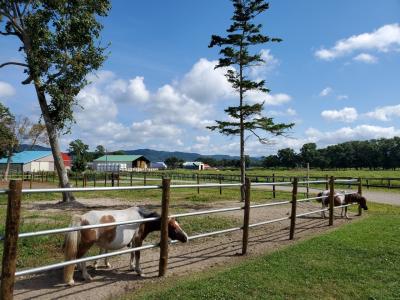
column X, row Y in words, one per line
column 372, row 154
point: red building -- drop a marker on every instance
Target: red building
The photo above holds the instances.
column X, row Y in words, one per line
column 67, row 160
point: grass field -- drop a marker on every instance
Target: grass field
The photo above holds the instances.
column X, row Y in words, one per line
column 357, row 261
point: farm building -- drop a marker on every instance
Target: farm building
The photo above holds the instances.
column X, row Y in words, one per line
column 193, row 165
column 67, row 160
column 30, row 161
column 158, row 165
column 120, row 162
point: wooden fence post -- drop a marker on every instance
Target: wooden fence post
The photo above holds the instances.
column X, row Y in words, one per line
column 360, row 192
column 327, row 182
column 220, row 182
column 273, row 186
column 198, row 182
column 144, row 178
column 94, row 178
column 163, row 263
column 294, row 209
column 246, row 216
column 131, row 178
column 331, row 203
column 118, row 175
column 11, row 240
column 105, row 178
column 112, row 179
column 30, row 183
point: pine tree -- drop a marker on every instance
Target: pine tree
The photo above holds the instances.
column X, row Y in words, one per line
column 242, row 34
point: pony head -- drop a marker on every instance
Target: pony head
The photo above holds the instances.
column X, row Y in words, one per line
column 175, row 231
column 363, row 203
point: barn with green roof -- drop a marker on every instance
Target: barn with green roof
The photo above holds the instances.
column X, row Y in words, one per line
column 120, row 162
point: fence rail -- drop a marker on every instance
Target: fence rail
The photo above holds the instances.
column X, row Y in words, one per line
column 144, row 177
column 12, row 236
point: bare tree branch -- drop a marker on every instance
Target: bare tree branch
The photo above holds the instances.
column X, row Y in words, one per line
column 15, row 25
column 8, row 33
column 15, row 63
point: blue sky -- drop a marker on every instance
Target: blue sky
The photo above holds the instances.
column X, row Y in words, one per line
column 336, row 75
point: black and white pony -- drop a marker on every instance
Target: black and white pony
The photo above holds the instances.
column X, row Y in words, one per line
column 341, row 198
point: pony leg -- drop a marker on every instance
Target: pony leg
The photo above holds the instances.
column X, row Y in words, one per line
column 85, row 273
column 345, row 213
column 137, row 243
column 106, row 263
column 323, row 212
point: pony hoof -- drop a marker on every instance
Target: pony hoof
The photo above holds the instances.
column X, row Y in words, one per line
column 108, row 266
column 88, row 278
column 71, row 283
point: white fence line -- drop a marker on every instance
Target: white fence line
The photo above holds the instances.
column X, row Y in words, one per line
column 106, row 255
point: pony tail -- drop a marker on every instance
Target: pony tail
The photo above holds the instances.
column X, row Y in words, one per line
column 71, row 243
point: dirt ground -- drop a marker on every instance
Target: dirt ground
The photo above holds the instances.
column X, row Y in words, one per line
column 196, row 256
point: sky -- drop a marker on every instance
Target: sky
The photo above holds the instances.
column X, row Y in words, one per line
column 335, row 75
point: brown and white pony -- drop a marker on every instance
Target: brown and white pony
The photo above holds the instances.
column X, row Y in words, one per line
column 77, row 243
column 340, row 198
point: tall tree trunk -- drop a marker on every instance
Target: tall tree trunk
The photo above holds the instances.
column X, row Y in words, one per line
column 242, row 157
column 55, row 146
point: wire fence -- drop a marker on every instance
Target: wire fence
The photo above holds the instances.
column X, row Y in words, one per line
column 15, row 193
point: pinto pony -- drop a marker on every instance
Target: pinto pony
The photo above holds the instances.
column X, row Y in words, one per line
column 340, row 198
column 77, row 243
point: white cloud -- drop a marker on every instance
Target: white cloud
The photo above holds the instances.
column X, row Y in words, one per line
column 162, row 118
column 361, row 132
column 385, row 113
column 137, row 91
column 342, row 97
column 270, row 62
column 347, row 114
column 384, row 39
column 268, row 99
column 204, row 83
column 287, row 112
column 203, row 139
column 6, row 89
column 326, row 91
column 366, row 58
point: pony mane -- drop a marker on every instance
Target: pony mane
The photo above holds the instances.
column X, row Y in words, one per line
column 147, row 213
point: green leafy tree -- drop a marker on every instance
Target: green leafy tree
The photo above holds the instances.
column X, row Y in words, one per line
column 309, row 154
column 173, row 162
column 236, row 58
column 59, row 42
column 287, row 158
column 99, row 152
column 271, row 161
column 79, row 152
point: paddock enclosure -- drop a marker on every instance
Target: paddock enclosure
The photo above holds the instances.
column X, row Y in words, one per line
column 15, row 193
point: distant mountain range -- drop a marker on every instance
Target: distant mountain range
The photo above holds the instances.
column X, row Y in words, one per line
column 152, row 155
column 155, row 155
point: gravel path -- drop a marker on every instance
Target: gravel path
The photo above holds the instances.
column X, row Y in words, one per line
column 196, row 256
column 374, row 196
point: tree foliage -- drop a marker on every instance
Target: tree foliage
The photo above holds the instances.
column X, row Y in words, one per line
column 372, row 154
column 174, row 162
column 242, row 34
column 80, row 155
column 59, row 40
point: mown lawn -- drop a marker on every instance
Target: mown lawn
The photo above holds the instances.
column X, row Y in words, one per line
column 357, row 261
